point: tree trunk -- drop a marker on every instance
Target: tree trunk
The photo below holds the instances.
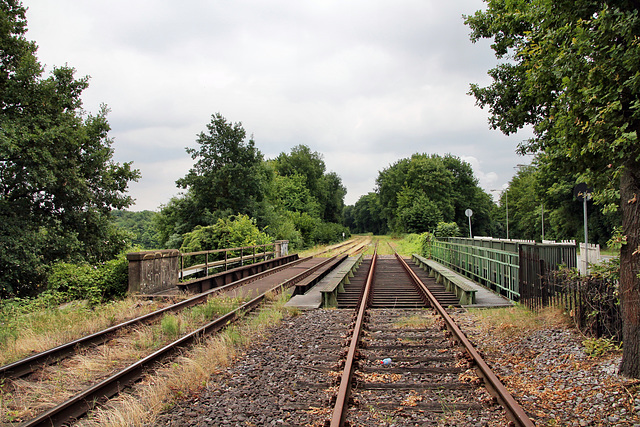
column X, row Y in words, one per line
column 630, row 268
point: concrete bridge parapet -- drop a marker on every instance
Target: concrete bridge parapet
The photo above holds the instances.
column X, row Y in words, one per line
column 153, row 271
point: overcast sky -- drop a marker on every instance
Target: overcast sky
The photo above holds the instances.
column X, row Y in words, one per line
column 364, row 82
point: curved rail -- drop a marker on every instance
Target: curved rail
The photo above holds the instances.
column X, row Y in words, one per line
column 82, row 402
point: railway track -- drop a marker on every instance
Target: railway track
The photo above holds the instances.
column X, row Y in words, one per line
column 328, row 367
column 108, row 383
column 415, row 372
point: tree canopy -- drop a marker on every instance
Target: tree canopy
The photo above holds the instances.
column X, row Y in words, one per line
column 290, row 197
column 58, row 181
column 571, row 70
column 417, row 193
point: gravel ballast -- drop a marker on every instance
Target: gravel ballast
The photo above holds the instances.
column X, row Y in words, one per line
column 286, row 378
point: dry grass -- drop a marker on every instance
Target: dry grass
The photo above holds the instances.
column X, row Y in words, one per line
column 415, row 321
column 511, row 321
column 186, row 374
column 59, row 382
column 45, row 329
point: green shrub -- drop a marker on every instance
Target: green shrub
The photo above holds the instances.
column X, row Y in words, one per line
column 74, row 281
column 113, row 278
column 447, row 229
column 328, row 232
column 426, row 240
column 67, row 282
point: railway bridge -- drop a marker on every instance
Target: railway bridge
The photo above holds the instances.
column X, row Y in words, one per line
column 390, row 310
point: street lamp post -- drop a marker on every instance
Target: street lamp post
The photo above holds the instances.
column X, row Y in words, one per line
column 543, row 222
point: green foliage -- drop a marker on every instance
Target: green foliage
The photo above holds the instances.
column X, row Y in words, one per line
column 571, row 70
column 170, row 325
column 447, row 229
column 426, row 240
column 303, row 162
column 288, row 197
column 58, row 180
column 229, row 177
column 409, row 244
column 327, row 232
column 366, row 215
column 74, row 281
column 214, row 308
column 227, row 173
column 292, row 194
column 305, row 224
column 141, row 225
column 596, row 347
column 312, row 190
column 417, row 212
column 68, row 282
column 233, row 232
column 417, row 193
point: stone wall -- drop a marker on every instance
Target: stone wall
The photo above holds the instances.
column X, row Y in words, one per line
column 153, row 271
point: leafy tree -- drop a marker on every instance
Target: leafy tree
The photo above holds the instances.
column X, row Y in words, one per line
column 302, row 161
column 447, row 229
column 228, row 178
column 331, row 197
column 233, row 232
column 417, row 212
column 228, row 171
column 326, row 189
column 292, row 194
column 58, row 180
column 571, row 70
column 328, row 232
column 141, row 225
column 366, row 215
column 417, row 193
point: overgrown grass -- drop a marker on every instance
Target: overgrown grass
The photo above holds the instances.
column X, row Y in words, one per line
column 187, row 373
column 27, row 328
column 415, row 321
column 405, row 244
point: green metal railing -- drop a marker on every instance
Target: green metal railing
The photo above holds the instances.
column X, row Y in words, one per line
column 496, row 269
column 498, row 264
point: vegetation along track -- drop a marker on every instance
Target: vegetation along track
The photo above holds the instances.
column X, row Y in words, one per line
column 417, row 365
column 33, row 379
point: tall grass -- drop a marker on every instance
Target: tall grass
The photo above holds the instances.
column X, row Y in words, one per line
column 26, row 330
column 187, row 373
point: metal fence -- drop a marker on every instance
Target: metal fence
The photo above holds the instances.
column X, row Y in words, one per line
column 194, row 263
column 511, row 268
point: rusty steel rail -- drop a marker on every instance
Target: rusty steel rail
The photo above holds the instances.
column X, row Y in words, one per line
column 81, row 403
column 493, row 384
column 30, row 364
column 340, row 408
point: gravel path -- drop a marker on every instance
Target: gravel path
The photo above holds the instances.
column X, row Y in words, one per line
column 280, row 381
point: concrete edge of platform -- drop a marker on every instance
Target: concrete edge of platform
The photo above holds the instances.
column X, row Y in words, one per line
column 309, row 301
